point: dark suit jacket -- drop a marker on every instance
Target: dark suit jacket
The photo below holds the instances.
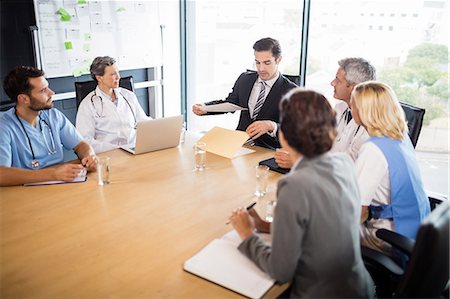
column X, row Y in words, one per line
column 269, row 111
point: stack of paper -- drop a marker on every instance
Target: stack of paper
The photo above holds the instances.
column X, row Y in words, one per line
column 222, row 263
column 223, row 107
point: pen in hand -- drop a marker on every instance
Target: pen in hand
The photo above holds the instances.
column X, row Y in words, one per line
column 247, row 208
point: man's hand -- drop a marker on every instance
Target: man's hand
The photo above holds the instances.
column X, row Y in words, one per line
column 67, row 172
column 259, row 128
column 198, row 109
column 283, row 158
column 90, row 162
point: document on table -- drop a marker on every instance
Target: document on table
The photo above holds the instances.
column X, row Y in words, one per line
column 76, row 180
column 224, row 142
column 223, row 107
column 222, row 263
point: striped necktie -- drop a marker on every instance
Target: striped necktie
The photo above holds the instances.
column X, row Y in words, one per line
column 260, row 101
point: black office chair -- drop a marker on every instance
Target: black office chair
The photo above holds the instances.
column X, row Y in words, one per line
column 414, row 117
column 82, row 89
column 293, row 78
column 426, row 274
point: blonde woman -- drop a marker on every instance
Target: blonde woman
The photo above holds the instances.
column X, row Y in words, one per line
column 391, row 187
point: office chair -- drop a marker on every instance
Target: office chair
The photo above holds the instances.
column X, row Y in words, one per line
column 293, row 78
column 82, row 89
column 414, row 117
column 426, row 274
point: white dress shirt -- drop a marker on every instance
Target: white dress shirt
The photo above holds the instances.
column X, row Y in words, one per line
column 351, row 136
column 254, row 97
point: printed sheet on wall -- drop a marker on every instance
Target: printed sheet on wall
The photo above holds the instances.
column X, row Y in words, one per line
column 73, row 32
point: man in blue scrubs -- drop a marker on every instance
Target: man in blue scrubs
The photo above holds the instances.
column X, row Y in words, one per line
column 33, row 133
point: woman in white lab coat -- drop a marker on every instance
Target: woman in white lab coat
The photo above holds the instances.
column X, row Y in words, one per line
column 107, row 116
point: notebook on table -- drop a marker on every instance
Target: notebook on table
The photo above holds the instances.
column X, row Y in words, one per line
column 222, row 263
column 274, row 166
column 156, row 134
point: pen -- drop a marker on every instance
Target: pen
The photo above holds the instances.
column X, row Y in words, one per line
column 247, row 208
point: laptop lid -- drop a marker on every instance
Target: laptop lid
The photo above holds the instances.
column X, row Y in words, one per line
column 157, row 134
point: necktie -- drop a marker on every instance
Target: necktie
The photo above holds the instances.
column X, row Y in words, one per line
column 348, row 117
column 260, row 101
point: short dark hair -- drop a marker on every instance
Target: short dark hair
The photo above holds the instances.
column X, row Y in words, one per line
column 17, row 81
column 99, row 64
column 307, row 122
column 268, row 44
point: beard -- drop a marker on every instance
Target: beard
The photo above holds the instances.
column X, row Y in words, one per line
column 35, row 105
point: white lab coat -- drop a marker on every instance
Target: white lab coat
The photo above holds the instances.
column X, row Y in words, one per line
column 106, row 126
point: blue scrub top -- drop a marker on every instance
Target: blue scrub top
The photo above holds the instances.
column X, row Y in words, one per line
column 53, row 131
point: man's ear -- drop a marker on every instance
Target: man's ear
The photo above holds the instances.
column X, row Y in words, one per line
column 278, row 60
column 23, row 99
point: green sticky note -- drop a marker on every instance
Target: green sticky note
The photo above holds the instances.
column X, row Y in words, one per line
column 119, row 9
column 82, row 1
column 68, row 45
column 87, row 47
column 87, row 37
column 65, row 16
column 77, row 72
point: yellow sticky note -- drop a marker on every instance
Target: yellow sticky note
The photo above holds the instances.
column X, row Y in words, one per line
column 87, row 47
column 82, row 1
column 87, row 37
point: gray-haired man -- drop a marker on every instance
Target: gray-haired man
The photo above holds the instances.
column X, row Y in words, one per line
column 350, row 136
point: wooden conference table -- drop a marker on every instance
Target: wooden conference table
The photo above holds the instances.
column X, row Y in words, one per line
column 128, row 239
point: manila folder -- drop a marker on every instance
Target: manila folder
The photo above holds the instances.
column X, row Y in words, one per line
column 224, row 142
column 222, row 263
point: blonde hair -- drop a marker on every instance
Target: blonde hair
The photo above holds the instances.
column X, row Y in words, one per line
column 379, row 110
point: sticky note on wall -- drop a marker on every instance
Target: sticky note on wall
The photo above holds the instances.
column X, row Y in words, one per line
column 65, row 16
column 68, row 45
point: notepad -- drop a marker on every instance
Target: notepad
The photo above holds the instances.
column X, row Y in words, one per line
column 76, row 180
column 222, row 263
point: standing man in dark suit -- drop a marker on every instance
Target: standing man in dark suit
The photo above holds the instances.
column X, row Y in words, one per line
column 260, row 92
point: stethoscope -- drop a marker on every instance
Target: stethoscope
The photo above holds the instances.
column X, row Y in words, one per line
column 51, row 147
column 347, row 115
column 101, row 101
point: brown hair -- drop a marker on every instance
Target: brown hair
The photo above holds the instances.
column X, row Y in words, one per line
column 308, row 122
column 17, row 81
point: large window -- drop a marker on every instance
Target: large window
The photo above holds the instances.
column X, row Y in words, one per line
column 220, row 38
column 407, row 41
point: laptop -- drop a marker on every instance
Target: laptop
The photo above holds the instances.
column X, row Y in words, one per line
column 156, row 134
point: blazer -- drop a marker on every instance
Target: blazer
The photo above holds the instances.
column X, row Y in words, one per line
column 270, row 109
column 315, row 232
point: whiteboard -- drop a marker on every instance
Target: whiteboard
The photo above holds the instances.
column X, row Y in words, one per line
column 73, row 32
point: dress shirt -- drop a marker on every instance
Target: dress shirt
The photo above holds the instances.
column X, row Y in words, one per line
column 254, row 97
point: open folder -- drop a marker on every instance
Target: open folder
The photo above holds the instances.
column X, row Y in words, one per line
column 222, row 263
column 224, row 142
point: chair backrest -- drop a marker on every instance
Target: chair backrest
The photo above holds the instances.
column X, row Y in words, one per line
column 427, row 272
column 293, row 78
column 82, row 89
column 414, row 117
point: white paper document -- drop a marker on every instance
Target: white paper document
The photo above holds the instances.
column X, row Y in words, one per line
column 222, row 263
column 76, row 180
column 223, row 107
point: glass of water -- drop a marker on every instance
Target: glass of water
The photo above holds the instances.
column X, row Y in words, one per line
column 262, row 176
column 200, row 156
